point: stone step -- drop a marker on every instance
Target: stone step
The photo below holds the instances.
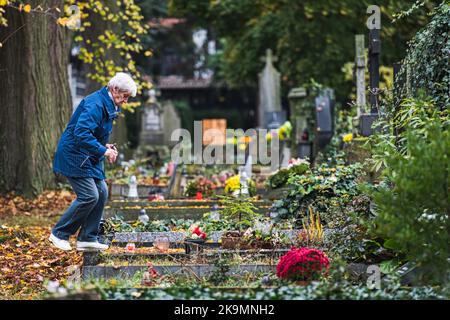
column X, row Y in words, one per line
column 160, row 213
column 173, row 203
column 94, row 258
column 199, row 270
column 118, row 191
column 174, row 236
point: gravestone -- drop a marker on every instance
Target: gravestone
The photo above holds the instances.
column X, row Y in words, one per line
column 301, row 146
column 249, row 166
column 324, row 118
column 360, row 74
column 285, row 155
column 170, row 122
column 151, row 129
column 269, row 91
column 367, row 119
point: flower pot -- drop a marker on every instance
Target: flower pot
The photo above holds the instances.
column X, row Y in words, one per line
column 259, row 244
column 230, row 242
column 235, row 243
column 193, row 245
column 302, row 283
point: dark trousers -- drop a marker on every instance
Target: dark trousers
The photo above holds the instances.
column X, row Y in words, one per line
column 85, row 212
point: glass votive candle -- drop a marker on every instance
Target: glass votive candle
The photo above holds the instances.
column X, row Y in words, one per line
column 162, row 243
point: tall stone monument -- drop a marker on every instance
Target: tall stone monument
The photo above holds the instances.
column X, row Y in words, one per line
column 171, row 121
column 151, row 129
column 269, row 107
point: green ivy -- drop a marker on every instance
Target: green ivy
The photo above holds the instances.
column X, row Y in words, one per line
column 426, row 68
column 318, row 188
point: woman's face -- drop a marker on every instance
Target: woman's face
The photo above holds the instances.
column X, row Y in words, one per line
column 120, row 97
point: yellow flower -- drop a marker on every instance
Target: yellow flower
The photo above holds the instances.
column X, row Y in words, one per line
column 113, row 282
column 242, row 146
column 348, row 137
column 232, row 184
column 281, row 132
column 3, row 3
column 27, row 8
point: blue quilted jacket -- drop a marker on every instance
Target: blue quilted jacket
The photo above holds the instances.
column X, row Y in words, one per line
column 81, row 149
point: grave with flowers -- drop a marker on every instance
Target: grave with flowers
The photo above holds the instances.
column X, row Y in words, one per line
column 238, row 238
column 186, row 235
column 187, row 244
column 234, row 244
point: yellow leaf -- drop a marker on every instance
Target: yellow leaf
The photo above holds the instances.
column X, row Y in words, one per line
column 3, row 3
column 148, row 53
column 27, row 8
column 62, row 21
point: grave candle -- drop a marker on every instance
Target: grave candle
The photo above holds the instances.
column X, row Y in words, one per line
column 133, row 193
column 143, row 217
column 130, row 247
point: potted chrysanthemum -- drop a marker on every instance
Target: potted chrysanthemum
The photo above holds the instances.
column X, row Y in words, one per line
column 302, row 265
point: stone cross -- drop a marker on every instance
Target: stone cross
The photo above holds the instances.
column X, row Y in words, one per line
column 374, row 68
column 360, row 62
column 269, row 89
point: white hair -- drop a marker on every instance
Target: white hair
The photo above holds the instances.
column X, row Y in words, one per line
column 124, row 82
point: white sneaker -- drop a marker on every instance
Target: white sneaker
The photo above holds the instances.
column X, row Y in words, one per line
column 60, row 243
column 91, row 246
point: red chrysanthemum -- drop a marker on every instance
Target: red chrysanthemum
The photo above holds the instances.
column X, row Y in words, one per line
column 302, row 264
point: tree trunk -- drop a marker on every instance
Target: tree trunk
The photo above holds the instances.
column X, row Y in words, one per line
column 35, row 98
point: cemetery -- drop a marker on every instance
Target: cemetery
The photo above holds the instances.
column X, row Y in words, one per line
column 330, row 189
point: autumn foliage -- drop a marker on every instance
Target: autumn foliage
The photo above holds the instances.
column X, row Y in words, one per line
column 48, row 203
column 27, row 260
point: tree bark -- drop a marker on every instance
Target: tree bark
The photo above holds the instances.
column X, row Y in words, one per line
column 35, row 98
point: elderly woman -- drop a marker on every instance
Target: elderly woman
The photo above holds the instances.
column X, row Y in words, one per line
column 79, row 156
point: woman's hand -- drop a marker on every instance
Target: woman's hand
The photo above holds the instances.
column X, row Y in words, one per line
column 111, row 154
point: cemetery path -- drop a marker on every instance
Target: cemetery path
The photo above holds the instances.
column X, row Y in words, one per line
column 27, row 259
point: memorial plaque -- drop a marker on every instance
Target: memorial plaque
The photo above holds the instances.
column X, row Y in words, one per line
column 274, row 119
column 152, row 119
column 217, row 136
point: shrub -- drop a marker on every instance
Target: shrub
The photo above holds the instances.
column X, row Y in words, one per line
column 280, row 178
column 413, row 206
